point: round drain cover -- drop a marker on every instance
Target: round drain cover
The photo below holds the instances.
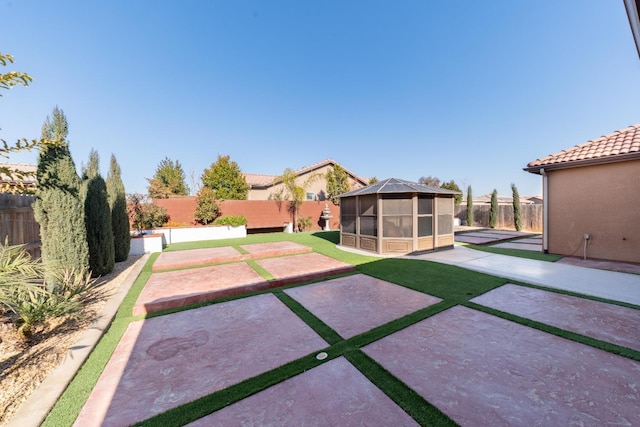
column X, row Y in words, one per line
column 321, row 356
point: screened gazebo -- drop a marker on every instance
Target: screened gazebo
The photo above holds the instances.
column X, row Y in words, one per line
column 397, row 217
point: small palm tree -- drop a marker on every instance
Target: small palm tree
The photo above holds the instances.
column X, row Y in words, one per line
column 292, row 191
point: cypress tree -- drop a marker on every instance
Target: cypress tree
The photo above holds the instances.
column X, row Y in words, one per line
column 58, row 207
column 119, row 216
column 493, row 215
column 469, row 207
column 97, row 218
column 517, row 215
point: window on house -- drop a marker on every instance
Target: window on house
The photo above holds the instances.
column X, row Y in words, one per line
column 311, row 196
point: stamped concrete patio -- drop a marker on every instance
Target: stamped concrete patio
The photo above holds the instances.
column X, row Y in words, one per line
column 475, row 367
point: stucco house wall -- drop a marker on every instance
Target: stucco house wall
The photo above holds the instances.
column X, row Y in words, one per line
column 601, row 200
column 591, row 200
column 263, row 189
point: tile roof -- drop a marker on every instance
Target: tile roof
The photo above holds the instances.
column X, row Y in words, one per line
column 25, row 167
column 619, row 145
column 262, row 180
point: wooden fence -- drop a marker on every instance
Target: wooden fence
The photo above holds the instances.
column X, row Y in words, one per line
column 17, row 223
column 531, row 216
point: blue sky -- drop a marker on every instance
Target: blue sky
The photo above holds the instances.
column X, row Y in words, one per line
column 463, row 90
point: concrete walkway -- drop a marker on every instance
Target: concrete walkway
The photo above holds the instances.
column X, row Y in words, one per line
column 600, row 283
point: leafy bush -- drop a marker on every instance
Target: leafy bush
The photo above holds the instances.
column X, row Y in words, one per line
column 305, row 223
column 144, row 214
column 231, row 220
column 207, row 209
column 493, row 213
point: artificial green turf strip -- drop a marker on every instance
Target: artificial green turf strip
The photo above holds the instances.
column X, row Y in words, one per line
column 411, row 402
column 240, row 249
column 519, row 253
column 440, row 280
column 67, row 408
column 321, row 328
column 260, row 270
column 573, row 336
column 206, row 405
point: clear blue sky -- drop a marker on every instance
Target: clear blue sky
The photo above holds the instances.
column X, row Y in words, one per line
column 463, row 90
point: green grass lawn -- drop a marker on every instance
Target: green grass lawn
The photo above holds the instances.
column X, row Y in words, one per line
column 452, row 284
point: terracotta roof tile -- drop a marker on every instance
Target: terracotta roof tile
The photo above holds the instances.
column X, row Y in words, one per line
column 621, row 142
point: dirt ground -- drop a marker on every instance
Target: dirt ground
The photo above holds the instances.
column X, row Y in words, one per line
column 24, row 365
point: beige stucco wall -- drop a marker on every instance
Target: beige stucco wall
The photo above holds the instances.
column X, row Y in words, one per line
column 318, row 187
column 602, row 200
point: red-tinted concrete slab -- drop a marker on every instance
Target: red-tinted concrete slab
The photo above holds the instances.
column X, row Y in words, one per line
column 193, row 257
column 296, row 268
column 332, row 394
column 606, row 322
column 537, row 247
column 166, row 361
column 485, row 371
column 355, row 304
column 179, row 288
column 474, row 240
column 623, row 267
column 275, row 249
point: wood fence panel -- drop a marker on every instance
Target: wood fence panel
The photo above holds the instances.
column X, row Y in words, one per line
column 531, row 216
column 17, row 223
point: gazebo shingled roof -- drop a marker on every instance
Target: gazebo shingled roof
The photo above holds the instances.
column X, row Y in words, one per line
column 395, row 185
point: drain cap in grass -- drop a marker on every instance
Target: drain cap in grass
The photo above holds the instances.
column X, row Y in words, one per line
column 321, row 356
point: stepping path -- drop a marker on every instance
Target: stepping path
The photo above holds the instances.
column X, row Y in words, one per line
column 172, row 289
column 373, row 302
column 606, row 322
column 483, row 370
column 483, row 237
column 332, row 394
column 194, row 257
column 166, row 361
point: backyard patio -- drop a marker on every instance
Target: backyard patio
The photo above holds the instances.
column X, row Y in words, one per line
column 338, row 338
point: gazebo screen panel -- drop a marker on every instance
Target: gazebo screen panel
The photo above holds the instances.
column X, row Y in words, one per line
column 445, row 215
column 348, row 215
column 425, row 216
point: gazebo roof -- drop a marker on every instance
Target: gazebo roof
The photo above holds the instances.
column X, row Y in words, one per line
column 397, row 186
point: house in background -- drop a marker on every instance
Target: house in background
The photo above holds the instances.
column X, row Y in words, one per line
column 485, row 199
column 592, row 198
column 8, row 184
column 262, row 186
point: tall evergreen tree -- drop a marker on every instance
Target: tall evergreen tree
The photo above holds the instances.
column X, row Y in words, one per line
column 493, row 214
column 119, row 217
column 337, row 183
column 517, row 215
column 97, row 218
column 451, row 185
column 169, row 180
column 58, row 207
column 469, row 207
column 226, row 180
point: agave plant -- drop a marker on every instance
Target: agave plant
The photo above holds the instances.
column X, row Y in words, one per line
column 19, row 274
column 24, row 291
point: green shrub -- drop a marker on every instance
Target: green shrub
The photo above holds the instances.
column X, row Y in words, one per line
column 493, row 214
column 231, row 220
column 144, row 214
column 119, row 217
column 469, row 207
column 517, row 215
column 207, row 210
column 97, row 218
column 305, row 223
column 58, row 207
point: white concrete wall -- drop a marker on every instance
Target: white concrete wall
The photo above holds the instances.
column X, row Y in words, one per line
column 195, row 234
column 145, row 244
